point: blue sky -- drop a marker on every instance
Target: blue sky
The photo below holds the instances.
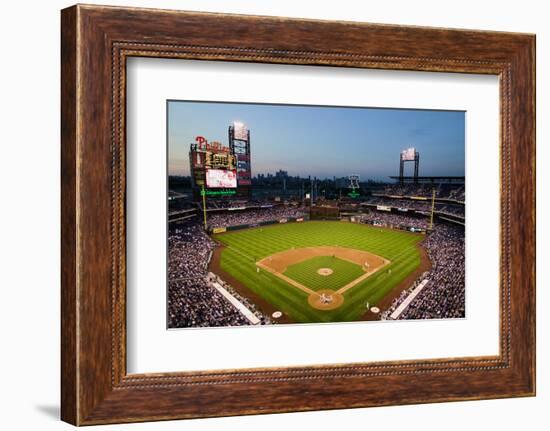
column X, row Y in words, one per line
column 323, row 141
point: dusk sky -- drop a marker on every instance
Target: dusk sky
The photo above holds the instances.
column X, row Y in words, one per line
column 323, row 141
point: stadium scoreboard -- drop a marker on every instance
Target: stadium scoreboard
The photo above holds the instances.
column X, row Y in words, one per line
column 218, row 170
column 212, row 166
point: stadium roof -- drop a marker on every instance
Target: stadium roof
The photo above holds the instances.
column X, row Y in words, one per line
column 436, row 179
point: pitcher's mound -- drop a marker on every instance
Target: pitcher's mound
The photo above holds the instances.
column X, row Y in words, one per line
column 324, row 271
column 325, row 299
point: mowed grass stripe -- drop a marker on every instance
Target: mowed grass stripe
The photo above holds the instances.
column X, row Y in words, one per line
column 264, row 244
column 377, row 286
column 243, row 247
column 267, row 240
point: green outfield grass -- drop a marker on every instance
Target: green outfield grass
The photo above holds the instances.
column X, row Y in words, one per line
column 306, row 272
column 245, row 247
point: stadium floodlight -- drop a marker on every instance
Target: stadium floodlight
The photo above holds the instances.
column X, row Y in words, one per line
column 240, row 131
column 408, row 154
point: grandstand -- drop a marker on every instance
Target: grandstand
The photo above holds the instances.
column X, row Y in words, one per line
column 195, row 296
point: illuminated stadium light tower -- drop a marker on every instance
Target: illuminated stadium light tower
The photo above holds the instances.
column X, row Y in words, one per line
column 353, row 185
column 409, row 155
column 239, row 145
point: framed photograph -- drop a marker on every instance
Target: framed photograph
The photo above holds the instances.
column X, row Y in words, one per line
column 329, row 214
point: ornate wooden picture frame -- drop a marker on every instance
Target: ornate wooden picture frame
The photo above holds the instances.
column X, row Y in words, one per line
column 96, row 42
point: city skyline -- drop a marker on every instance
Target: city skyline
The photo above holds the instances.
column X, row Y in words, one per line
column 323, row 142
column 277, row 174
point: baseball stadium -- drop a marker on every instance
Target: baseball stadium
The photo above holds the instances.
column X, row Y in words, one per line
column 263, row 249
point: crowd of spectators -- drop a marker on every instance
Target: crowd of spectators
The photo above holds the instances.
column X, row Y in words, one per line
column 387, row 219
column 220, row 204
column 386, row 314
column 264, row 320
column 214, row 204
column 417, row 205
column 254, row 216
column 192, row 299
column 455, row 210
column 458, row 194
column 442, row 190
column 443, row 297
column 195, row 303
column 400, row 203
column 188, row 251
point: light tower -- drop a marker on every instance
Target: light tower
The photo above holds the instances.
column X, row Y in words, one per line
column 239, row 144
column 409, row 155
column 353, row 182
column 353, row 185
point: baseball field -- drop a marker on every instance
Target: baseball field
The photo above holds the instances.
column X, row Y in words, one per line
column 320, row 271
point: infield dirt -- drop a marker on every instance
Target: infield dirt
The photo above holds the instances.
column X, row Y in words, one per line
column 279, row 262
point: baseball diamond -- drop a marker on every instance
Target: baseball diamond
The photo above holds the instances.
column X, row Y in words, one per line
column 306, row 273
column 279, row 263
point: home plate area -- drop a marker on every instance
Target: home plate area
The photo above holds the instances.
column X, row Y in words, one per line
column 325, row 273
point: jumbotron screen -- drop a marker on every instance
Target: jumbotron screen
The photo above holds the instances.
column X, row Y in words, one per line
column 221, row 179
